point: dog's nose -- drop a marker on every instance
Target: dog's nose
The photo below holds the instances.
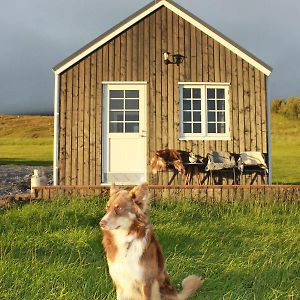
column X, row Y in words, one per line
column 103, row 223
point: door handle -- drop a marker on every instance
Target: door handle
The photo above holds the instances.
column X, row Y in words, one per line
column 143, row 133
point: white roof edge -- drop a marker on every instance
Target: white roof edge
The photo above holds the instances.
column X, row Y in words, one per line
column 182, row 14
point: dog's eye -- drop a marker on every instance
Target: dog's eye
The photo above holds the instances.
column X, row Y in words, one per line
column 118, row 209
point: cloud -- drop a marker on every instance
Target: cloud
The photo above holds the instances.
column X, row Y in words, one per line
column 37, row 34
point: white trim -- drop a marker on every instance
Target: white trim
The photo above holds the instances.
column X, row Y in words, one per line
column 269, row 148
column 204, row 135
column 182, row 14
column 124, row 82
column 56, row 127
column 203, row 83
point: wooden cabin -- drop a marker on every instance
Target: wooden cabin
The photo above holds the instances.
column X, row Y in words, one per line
column 121, row 97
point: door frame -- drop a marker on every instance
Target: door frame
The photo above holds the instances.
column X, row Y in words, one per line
column 105, row 123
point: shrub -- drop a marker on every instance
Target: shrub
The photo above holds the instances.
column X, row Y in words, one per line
column 289, row 108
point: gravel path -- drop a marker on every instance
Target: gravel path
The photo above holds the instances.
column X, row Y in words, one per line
column 16, row 179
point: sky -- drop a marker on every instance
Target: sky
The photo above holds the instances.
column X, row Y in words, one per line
column 35, row 35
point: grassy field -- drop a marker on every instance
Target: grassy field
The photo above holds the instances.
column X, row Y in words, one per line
column 52, row 250
column 285, row 149
column 26, row 140
column 29, row 140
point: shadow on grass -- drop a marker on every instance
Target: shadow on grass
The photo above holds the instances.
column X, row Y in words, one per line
column 25, row 162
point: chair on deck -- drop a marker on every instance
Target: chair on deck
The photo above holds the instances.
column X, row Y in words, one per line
column 252, row 163
column 220, row 163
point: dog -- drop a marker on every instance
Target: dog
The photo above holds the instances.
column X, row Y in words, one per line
column 135, row 260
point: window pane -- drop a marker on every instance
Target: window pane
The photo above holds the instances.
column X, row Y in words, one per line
column 211, row 104
column 211, row 128
column 186, row 93
column 197, row 127
column 187, row 105
column 221, row 127
column 211, row 93
column 131, row 127
column 116, row 94
column 196, row 116
column 131, row 104
column 116, row 104
column 221, row 105
column 211, row 116
column 196, row 93
column 115, row 127
column 221, row 116
column 187, row 127
column 196, row 105
column 220, row 94
column 132, row 94
column 116, row 115
column 131, row 116
column 187, row 116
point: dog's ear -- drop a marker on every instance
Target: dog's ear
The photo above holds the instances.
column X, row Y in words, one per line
column 139, row 195
column 113, row 189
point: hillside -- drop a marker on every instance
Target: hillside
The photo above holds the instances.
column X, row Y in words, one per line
column 29, row 140
column 26, row 140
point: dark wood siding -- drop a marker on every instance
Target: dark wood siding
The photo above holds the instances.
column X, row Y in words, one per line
column 136, row 55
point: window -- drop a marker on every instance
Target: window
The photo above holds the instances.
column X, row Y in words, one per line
column 124, row 111
column 204, row 111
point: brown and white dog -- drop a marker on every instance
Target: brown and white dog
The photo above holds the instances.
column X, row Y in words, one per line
column 135, row 260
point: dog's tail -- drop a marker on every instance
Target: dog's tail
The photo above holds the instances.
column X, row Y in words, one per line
column 189, row 286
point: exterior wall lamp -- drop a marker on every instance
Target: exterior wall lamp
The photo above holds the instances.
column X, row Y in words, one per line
column 177, row 58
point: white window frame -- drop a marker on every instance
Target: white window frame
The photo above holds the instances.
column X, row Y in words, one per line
column 204, row 135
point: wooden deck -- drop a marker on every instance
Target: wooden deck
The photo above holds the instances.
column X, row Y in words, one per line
column 208, row 193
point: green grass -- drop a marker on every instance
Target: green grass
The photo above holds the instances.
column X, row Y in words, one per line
column 285, row 150
column 26, row 140
column 52, row 250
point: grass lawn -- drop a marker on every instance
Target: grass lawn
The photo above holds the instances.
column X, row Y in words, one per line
column 26, row 140
column 52, row 250
column 285, row 149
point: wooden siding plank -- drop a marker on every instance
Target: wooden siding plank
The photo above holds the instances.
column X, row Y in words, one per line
column 152, row 86
column 98, row 113
column 258, row 110
column 158, row 74
column 86, row 135
column 129, row 55
column 141, row 48
column 235, row 104
column 62, row 129
column 92, row 141
column 181, row 41
column 75, row 125
column 123, row 55
column 228, row 74
column 81, row 123
column 246, row 106
column 176, row 80
column 69, row 127
column 111, row 60
column 134, row 57
column 252, row 109
column 117, row 54
column 170, row 97
column 164, row 87
column 264, row 112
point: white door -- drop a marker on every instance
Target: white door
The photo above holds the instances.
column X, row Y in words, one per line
column 124, row 133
